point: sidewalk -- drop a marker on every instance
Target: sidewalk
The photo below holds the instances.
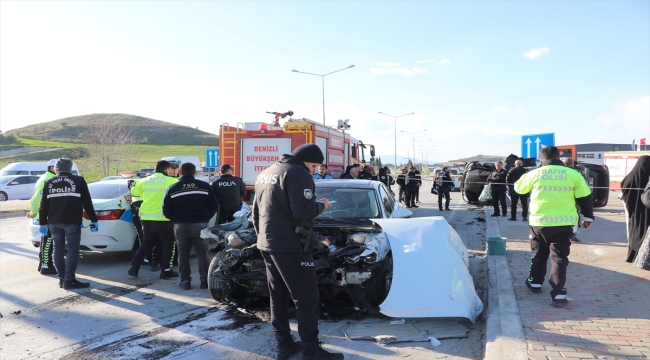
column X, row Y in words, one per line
column 609, row 309
column 14, row 207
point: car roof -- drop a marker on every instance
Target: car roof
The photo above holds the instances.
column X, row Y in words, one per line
column 347, row 183
column 111, row 182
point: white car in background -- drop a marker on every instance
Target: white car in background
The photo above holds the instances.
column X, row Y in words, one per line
column 15, row 187
column 116, row 231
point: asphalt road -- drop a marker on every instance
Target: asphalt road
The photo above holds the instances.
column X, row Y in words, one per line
column 149, row 318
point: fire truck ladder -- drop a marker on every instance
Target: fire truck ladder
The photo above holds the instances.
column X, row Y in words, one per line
column 228, row 143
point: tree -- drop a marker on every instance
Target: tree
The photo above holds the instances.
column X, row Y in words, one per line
column 409, row 164
column 111, row 144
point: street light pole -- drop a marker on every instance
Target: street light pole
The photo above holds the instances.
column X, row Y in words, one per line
column 413, row 133
column 323, row 80
column 395, row 120
column 422, row 152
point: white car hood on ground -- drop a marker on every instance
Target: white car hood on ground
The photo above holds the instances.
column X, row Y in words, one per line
column 430, row 271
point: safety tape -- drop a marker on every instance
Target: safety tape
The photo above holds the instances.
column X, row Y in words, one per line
column 509, row 184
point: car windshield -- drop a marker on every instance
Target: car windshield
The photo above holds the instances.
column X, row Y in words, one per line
column 15, row 172
column 107, row 191
column 351, row 203
column 6, row 179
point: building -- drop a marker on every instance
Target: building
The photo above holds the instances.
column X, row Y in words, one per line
column 591, row 153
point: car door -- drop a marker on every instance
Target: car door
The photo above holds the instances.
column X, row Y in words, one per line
column 15, row 188
column 386, row 200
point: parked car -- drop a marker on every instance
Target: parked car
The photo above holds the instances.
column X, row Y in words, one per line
column 116, row 231
column 17, row 187
column 30, row 168
column 352, row 255
column 144, row 171
column 114, row 177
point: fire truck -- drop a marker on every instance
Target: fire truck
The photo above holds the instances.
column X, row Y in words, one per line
column 254, row 146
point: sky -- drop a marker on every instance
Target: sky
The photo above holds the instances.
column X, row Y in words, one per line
column 476, row 74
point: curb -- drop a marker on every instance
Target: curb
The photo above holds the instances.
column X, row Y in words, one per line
column 503, row 331
column 11, row 212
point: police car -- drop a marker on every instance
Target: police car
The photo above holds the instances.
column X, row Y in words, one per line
column 352, row 253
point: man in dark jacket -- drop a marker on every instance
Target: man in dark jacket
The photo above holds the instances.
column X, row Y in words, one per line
column 413, row 182
column 283, row 215
column 513, row 175
column 367, row 173
column 498, row 186
column 385, row 179
column 190, row 204
column 401, row 183
column 229, row 190
column 353, row 173
column 65, row 198
column 444, row 183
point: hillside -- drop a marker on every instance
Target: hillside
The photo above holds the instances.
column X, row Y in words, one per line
column 147, row 131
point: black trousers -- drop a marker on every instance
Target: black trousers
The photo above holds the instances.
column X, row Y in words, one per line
column 417, row 193
column 402, row 193
column 292, row 277
column 410, row 195
column 499, row 196
column 556, row 243
column 226, row 215
column 186, row 236
column 159, row 234
column 45, row 252
column 443, row 191
column 515, row 197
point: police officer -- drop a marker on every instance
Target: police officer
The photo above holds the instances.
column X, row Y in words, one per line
column 229, row 190
column 45, row 264
column 190, row 204
column 444, row 183
column 498, row 186
column 65, row 198
column 401, row 183
column 385, row 179
column 554, row 190
column 413, row 181
column 157, row 229
column 283, row 214
column 513, row 176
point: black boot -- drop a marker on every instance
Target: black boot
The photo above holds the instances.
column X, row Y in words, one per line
column 133, row 270
column 75, row 284
column 168, row 273
column 316, row 352
column 285, row 351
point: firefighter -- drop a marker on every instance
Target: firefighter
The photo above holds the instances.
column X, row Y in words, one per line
column 45, row 264
column 283, row 215
column 413, row 182
column 157, row 229
column 367, row 173
column 65, row 198
column 554, row 190
column 229, row 190
column 444, row 183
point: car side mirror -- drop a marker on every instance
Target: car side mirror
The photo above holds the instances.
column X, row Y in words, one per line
column 401, row 213
column 372, row 150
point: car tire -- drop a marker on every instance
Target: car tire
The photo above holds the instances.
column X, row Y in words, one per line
column 383, row 275
column 3, row 196
column 216, row 287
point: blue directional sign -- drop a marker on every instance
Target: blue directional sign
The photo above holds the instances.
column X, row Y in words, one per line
column 532, row 144
column 212, row 158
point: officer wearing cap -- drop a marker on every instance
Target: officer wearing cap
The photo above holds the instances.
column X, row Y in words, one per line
column 65, row 198
column 45, row 264
column 229, row 190
column 283, row 214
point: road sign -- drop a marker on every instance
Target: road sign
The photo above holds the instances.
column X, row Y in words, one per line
column 532, row 144
column 212, row 158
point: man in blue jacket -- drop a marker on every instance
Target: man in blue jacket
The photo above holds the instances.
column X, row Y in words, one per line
column 190, row 204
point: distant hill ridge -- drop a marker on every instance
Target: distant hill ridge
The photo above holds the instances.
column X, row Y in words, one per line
column 480, row 158
column 147, row 131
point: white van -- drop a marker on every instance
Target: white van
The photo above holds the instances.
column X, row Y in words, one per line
column 30, row 168
column 183, row 159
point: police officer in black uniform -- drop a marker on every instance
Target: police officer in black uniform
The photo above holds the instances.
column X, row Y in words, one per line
column 229, row 190
column 513, row 175
column 283, row 215
column 385, row 179
column 444, row 183
column 498, row 184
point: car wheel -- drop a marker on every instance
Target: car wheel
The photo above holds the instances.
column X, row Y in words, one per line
column 3, row 196
column 217, row 287
column 383, row 280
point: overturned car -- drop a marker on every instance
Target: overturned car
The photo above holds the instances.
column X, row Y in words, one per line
column 476, row 178
column 352, row 254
